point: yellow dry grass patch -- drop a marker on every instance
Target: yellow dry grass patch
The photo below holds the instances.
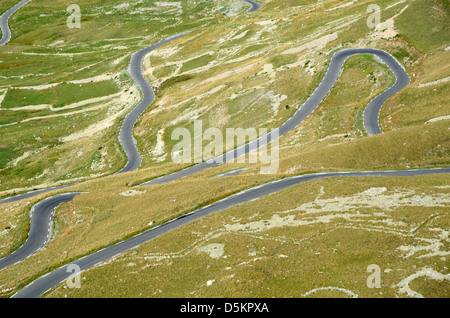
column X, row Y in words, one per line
column 312, row 240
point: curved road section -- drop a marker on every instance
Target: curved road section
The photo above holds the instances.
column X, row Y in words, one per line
column 51, row 280
column 32, row 194
column 126, row 139
column 371, row 115
column 371, row 112
column 148, row 96
column 255, row 5
column 6, row 32
column 41, row 213
column 41, row 216
column 126, row 132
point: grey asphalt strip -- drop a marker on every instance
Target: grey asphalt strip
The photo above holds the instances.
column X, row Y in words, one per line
column 231, row 173
column 4, row 18
column 40, row 219
column 38, row 287
column 126, row 131
column 371, row 112
column 126, row 138
column 148, row 96
column 41, row 213
column 40, row 228
column 255, row 5
column 32, row 194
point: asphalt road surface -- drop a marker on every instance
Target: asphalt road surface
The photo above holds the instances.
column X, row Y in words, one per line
column 6, row 32
column 126, row 138
column 255, row 5
column 148, row 96
column 54, row 278
column 371, row 112
column 42, row 212
column 41, row 215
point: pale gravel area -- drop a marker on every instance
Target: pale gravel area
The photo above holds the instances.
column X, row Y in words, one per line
column 121, row 6
column 230, row 35
column 2, row 96
column 158, row 152
column 132, row 193
column 437, row 82
column 431, row 246
column 432, row 120
column 428, row 272
column 276, row 100
column 214, row 250
column 228, row 73
column 170, row 105
column 56, row 43
column 379, row 198
column 266, row 29
column 117, row 109
column 201, row 245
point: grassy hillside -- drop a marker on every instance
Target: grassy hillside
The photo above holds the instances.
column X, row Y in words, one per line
column 240, row 71
column 76, row 81
column 294, row 243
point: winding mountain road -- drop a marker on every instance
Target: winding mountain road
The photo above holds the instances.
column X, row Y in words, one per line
column 126, row 138
column 148, row 96
column 4, row 18
column 41, row 213
column 371, row 112
column 39, row 224
column 255, row 5
column 51, row 280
